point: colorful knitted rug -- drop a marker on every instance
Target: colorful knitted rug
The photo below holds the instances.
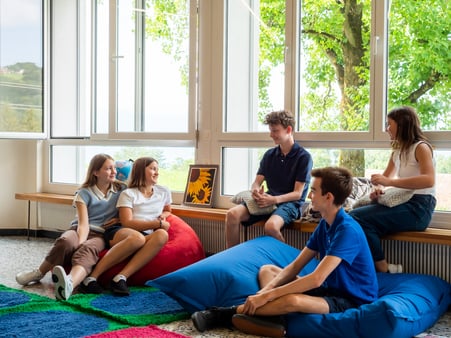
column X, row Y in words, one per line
column 24, row 314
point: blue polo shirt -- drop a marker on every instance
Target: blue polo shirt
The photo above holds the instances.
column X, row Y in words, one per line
column 355, row 276
column 281, row 172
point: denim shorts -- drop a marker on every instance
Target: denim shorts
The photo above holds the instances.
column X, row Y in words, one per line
column 336, row 302
column 289, row 211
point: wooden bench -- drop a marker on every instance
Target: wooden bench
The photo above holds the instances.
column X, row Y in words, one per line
column 430, row 235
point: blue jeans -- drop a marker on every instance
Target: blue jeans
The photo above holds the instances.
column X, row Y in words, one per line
column 377, row 220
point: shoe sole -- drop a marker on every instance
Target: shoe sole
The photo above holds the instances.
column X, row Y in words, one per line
column 120, row 293
column 252, row 325
column 58, row 274
column 85, row 291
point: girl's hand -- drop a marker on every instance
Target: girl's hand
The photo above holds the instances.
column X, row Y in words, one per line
column 165, row 225
column 374, row 195
column 379, row 179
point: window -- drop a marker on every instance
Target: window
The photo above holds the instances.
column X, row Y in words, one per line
column 254, row 57
column 334, row 66
column 148, row 64
column 419, row 70
column 173, row 162
column 21, row 68
column 337, row 61
column 193, row 79
column 375, row 162
column 142, row 57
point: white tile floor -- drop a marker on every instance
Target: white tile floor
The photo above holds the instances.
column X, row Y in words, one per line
column 18, row 254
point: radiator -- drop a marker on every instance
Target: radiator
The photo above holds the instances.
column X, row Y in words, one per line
column 424, row 258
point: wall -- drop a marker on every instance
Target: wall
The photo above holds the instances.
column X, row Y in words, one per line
column 22, row 172
column 19, row 174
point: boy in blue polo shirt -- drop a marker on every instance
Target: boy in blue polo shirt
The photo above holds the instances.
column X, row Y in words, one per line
column 344, row 278
column 286, row 171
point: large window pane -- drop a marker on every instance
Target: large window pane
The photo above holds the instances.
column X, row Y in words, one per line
column 21, row 66
column 152, row 66
column 334, row 66
column 69, row 163
column 245, row 161
column 420, row 60
column 254, row 72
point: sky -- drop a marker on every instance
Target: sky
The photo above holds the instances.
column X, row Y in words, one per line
column 20, row 32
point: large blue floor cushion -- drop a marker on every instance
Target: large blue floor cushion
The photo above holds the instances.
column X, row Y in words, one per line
column 408, row 304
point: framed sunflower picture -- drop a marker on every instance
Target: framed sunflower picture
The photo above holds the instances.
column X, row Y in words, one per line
column 200, row 185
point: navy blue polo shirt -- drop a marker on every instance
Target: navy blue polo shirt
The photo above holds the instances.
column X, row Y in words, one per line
column 281, row 172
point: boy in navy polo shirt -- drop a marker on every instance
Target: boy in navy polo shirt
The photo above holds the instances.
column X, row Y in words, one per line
column 286, row 171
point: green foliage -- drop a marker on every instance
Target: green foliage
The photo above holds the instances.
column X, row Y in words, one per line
column 173, row 178
column 443, row 161
column 324, row 157
column 21, row 98
column 173, row 173
column 335, row 54
column 168, row 24
column 420, row 60
column 377, row 159
column 272, row 49
column 130, row 153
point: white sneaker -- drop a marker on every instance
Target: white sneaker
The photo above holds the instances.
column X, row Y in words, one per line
column 27, row 277
column 63, row 283
column 394, row 268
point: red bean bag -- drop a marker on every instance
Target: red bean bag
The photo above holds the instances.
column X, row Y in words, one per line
column 183, row 248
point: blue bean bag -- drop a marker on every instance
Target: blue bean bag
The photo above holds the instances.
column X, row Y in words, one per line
column 408, row 304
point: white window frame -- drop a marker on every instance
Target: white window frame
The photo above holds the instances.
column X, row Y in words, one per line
column 206, row 101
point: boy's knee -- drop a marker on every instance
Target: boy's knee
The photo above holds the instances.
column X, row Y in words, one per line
column 272, row 226
column 235, row 215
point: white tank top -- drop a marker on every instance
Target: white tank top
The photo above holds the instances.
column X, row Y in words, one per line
column 411, row 168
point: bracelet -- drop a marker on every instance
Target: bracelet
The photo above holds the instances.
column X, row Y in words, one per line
column 161, row 223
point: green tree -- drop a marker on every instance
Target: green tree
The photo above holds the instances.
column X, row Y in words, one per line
column 335, row 41
column 21, row 98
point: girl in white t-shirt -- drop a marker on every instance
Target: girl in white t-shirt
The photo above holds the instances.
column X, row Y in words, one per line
column 411, row 166
column 143, row 209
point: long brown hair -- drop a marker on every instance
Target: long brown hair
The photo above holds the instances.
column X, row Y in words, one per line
column 96, row 164
column 408, row 129
column 138, row 173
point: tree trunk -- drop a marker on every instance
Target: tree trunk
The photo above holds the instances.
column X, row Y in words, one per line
column 353, row 52
column 354, row 160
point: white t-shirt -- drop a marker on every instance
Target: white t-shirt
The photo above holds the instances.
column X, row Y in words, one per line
column 145, row 208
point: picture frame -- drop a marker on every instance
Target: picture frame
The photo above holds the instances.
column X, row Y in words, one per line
column 200, row 185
